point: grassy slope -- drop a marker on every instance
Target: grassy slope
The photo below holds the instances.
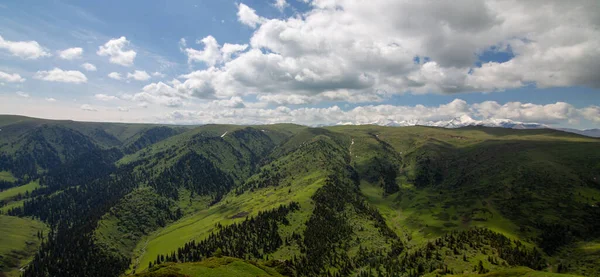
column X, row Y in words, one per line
column 416, row 214
column 303, row 176
column 18, row 242
column 517, row 272
column 213, row 267
column 582, row 257
column 12, row 192
column 199, row 225
column 564, row 162
column 237, row 152
column 7, row 176
column 134, row 216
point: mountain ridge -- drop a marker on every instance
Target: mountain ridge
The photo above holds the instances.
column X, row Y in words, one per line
column 404, row 198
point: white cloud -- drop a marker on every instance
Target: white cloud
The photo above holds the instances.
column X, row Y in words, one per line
column 229, row 50
column 89, row 108
column 22, row 94
column 123, row 109
column 455, row 113
column 283, row 99
column 114, row 49
column 161, row 93
column 213, row 53
column 280, row 5
column 11, row 78
column 115, row 75
column 234, row 102
column 71, row 53
column 29, row 50
column 89, row 67
column 158, row 74
column 50, row 99
column 210, row 55
column 591, row 113
column 138, row 75
column 248, row 16
column 104, row 97
column 550, row 113
column 59, row 75
column 368, row 51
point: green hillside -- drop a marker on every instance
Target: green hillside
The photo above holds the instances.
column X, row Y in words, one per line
column 518, row 272
column 213, row 267
column 298, row 201
column 18, row 242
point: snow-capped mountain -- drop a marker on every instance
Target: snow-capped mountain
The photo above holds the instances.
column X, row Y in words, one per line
column 463, row 121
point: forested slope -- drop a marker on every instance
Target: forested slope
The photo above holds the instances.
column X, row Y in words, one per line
column 297, row 201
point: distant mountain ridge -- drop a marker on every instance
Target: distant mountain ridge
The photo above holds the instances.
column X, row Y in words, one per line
column 465, row 121
column 457, row 122
column 595, row 133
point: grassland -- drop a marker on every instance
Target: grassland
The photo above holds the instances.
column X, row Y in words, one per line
column 10, row 196
column 7, row 176
column 213, row 267
column 12, row 192
column 18, row 242
column 233, row 208
column 582, row 257
column 516, row 272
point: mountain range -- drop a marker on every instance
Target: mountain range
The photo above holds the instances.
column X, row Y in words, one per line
column 111, row 199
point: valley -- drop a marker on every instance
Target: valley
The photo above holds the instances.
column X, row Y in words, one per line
column 289, row 200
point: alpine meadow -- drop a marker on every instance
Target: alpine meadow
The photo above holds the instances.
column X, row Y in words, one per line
column 300, row 138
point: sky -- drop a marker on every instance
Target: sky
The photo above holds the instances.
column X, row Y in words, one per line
column 311, row 62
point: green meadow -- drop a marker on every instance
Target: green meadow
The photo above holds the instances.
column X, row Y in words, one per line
column 20, row 190
column 18, row 242
column 7, row 176
column 213, row 267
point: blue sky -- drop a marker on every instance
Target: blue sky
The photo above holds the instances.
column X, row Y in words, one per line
column 309, row 62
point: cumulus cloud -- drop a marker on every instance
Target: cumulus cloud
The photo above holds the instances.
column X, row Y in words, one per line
column 11, row 78
column 455, row 113
column 280, row 5
column 228, row 50
column 22, row 94
column 50, row 99
column 248, row 16
column 71, row 53
column 210, row 55
column 59, row 75
column 89, row 108
column 115, row 75
column 591, row 113
column 213, row 53
column 161, row 93
column 89, row 67
column 104, row 97
column 123, row 109
column 158, row 74
column 114, row 49
column 139, row 75
column 549, row 114
column 29, row 50
column 369, row 51
column 234, row 102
